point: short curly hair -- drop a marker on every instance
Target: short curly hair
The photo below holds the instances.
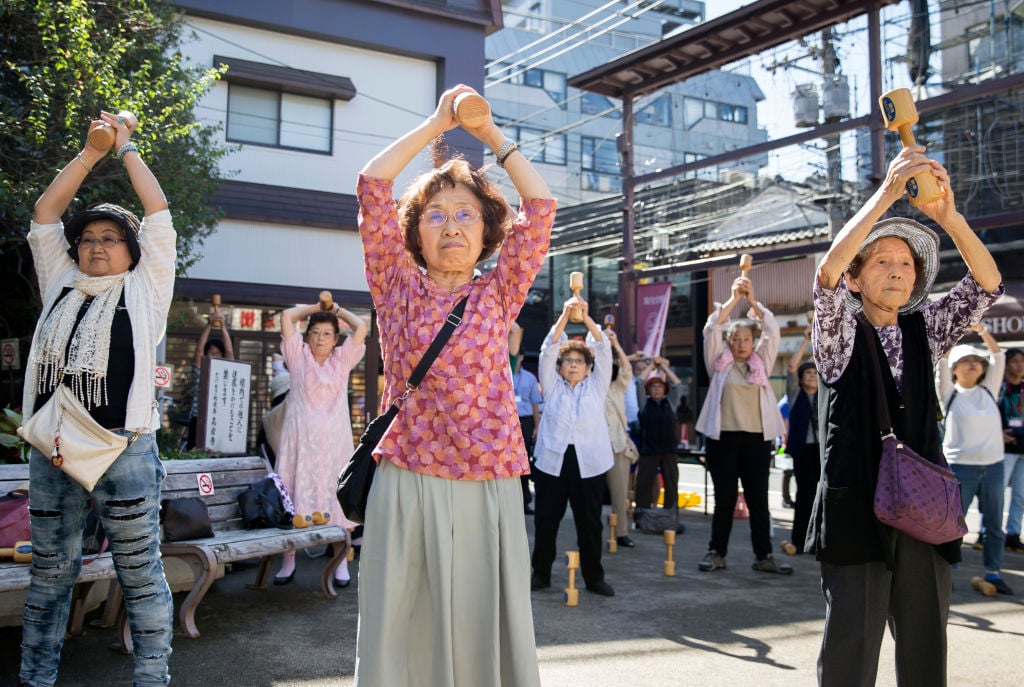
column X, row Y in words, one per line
column 576, row 346
column 495, row 211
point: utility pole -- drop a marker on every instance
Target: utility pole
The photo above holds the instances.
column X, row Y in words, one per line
column 833, row 156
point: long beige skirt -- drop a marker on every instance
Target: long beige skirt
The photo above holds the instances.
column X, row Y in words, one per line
column 444, row 584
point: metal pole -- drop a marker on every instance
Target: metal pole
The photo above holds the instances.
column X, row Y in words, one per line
column 627, row 278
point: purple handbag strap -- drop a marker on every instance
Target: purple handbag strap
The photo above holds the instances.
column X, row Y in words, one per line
column 881, row 402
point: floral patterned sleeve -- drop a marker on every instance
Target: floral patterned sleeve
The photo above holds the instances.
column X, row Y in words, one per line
column 833, row 331
column 522, row 254
column 948, row 318
column 383, row 245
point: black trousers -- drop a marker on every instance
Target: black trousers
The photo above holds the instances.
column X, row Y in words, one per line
column 526, row 425
column 745, row 456
column 807, row 469
column 584, row 496
column 647, row 473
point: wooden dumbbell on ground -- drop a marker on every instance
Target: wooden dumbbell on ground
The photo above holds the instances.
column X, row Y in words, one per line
column 320, row 517
column 21, row 552
column 613, row 543
column 103, row 136
column 788, row 547
column 471, row 110
column 572, row 562
column 670, row 565
column 900, row 114
column 983, row 586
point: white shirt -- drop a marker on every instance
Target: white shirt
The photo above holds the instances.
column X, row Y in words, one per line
column 974, row 428
column 574, row 415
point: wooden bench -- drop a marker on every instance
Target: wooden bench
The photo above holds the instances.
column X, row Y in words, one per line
column 15, row 576
column 231, row 541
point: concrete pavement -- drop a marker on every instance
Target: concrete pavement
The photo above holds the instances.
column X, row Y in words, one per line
column 730, row 628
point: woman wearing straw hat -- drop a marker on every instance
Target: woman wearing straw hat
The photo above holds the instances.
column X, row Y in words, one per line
column 871, row 574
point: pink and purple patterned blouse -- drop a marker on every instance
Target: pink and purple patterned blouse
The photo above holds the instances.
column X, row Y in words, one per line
column 461, row 423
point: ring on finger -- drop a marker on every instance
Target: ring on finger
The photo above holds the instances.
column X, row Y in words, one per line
column 120, row 120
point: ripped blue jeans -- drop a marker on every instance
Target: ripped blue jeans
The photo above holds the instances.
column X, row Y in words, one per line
column 127, row 498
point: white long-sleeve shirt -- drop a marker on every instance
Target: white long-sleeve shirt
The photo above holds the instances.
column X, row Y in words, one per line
column 974, row 429
column 574, row 415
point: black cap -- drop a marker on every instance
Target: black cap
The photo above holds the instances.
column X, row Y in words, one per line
column 125, row 219
column 809, row 365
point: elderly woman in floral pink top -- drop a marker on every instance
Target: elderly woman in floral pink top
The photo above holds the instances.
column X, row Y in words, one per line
column 444, row 574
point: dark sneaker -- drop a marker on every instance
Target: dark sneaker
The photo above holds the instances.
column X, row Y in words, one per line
column 1000, row 586
column 625, row 541
column 770, row 565
column 680, row 528
column 1013, row 543
column 712, row 561
column 538, row 582
column 602, row 588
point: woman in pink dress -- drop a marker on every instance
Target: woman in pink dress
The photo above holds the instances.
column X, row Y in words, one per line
column 316, row 440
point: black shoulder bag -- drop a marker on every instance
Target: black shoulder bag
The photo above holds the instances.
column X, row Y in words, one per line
column 357, row 476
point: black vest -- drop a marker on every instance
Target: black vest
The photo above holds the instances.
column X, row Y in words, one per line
column 844, row 529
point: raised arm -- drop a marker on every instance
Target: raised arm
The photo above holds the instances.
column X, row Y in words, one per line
column 907, row 164
column 291, row 317
column 794, row 362
column 359, row 328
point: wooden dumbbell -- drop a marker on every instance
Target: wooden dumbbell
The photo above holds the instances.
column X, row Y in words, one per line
column 21, row 552
column 320, row 517
column 788, row 547
column 471, row 110
column 746, row 262
column 900, row 114
column 103, row 136
column 572, row 562
column 576, row 285
column 983, row 586
column 301, row 521
column 326, row 301
column 216, row 322
column 613, row 543
column 609, row 321
column 670, row 565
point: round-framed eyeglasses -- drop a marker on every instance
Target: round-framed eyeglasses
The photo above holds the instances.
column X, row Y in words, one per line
column 438, row 218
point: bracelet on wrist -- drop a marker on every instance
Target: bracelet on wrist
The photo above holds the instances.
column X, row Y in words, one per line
column 87, row 167
column 506, row 149
column 128, row 147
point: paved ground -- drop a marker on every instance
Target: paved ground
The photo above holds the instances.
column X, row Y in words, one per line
column 731, row 628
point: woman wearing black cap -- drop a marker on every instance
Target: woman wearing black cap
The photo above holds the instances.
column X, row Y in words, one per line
column 106, row 281
column 881, row 272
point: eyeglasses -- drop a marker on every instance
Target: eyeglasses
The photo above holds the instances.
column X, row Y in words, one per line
column 574, row 361
column 107, row 242
column 438, row 218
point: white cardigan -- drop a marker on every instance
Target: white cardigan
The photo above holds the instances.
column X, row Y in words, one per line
column 710, row 421
column 148, row 290
column 974, row 427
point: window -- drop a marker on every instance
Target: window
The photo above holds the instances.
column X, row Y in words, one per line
column 732, row 113
column 541, row 147
column 553, row 83
column 284, row 120
column 592, row 104
column 658, row 112
column 599, row 155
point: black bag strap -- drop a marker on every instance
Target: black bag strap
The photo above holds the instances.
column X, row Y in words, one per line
column 881, row 402
column 453, row 320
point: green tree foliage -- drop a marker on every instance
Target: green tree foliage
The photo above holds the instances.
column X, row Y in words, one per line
column 63, row 62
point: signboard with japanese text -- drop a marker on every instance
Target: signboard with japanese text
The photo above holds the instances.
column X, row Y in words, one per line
column 9, row 356
column 223, row 406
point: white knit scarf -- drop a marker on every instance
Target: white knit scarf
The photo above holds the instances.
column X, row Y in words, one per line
column 89, row 352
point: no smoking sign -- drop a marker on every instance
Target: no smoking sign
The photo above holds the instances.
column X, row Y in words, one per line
column 9, row 355
column 205, row 483
column 162, row 377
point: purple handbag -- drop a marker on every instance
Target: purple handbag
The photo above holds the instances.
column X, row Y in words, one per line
column 916, row 496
